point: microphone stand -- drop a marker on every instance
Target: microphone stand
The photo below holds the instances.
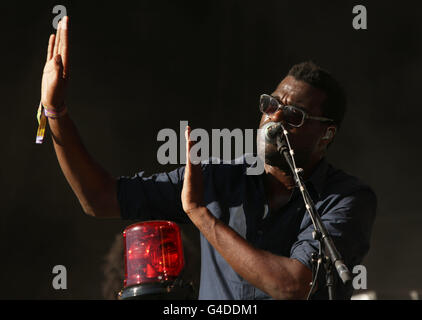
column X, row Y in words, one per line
column 328, row 255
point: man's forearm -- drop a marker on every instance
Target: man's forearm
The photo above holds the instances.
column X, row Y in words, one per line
column 275, row 275
column 93, row 186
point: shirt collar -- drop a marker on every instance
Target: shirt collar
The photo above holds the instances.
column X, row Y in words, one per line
column 316, row 180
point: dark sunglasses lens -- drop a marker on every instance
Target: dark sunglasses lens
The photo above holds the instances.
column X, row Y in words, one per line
column 292, row 116
column 268, row 104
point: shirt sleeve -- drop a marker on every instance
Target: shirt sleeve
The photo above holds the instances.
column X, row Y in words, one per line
column 348, row 220
column 157, row 197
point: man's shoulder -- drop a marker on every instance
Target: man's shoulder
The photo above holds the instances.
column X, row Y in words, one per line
column 340, row 183
column 340, row 178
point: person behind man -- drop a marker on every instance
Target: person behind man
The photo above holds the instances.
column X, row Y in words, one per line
column 256, row 237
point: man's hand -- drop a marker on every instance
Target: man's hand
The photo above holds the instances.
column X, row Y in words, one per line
column 56, row 69
column 193, row 188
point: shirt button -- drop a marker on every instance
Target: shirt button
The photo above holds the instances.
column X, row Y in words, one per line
column 260, row 232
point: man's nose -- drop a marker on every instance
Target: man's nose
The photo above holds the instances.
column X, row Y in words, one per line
column 277, row 116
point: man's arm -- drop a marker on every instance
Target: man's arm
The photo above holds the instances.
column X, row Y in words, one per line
column 93, row 186
column 280, row 277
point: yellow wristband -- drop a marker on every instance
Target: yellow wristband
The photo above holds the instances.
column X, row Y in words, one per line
column 42, row 122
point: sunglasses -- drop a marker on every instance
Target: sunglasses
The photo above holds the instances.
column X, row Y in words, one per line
column 292, row 115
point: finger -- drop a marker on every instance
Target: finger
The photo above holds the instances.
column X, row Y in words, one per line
column 64, row 45
column 58, row 62
column 50, row 47
column 57, row 42
column 188, row 146
column 190, row 160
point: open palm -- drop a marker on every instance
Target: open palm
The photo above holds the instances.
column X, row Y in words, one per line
column 56, row 69
column 193, row 188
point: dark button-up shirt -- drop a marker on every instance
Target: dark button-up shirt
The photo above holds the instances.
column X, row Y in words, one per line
column 346, row 206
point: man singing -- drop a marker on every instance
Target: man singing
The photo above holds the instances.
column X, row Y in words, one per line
column 256, row 236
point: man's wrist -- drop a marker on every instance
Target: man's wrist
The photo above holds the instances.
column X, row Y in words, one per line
column 55, row 113
column 202, row 219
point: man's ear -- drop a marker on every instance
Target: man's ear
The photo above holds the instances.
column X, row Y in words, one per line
column 329, row 134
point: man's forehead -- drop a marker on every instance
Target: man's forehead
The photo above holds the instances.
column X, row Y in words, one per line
column 299, row 93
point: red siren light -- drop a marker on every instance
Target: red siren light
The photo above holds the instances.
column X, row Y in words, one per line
column 153, row 252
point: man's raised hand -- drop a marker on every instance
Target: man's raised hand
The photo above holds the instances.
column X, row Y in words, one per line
column 56, row 69
column 193, row 189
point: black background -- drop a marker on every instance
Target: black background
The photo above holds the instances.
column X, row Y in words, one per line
column 138, row 67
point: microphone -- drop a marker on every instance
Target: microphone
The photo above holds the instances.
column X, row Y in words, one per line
column 274, row 134
column 343, row 271
column 272, row 131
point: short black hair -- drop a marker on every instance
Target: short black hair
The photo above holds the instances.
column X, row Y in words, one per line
column 335, row 105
